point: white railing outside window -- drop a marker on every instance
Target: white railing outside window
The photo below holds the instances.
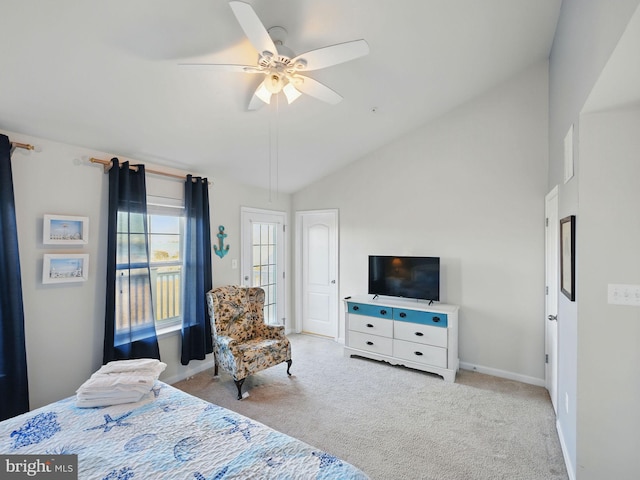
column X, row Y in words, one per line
column 133, row 302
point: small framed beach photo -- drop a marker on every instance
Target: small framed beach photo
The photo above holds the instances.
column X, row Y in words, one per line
column 65, row 230
column 65, row 268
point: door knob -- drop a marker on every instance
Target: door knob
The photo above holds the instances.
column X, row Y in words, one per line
column 333, row 281
column 553, row 318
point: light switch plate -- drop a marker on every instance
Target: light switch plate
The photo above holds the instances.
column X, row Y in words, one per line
column 619, row 294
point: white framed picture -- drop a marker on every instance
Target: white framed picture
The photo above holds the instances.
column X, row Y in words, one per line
column 65, row 267
column 568, row 155
column 65, row 230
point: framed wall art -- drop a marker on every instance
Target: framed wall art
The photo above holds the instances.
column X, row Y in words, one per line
column 65, row 230
column 65, row 267
column 568, row 155
column 568, row 257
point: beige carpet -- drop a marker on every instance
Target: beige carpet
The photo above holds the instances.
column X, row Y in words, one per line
column 397, row 423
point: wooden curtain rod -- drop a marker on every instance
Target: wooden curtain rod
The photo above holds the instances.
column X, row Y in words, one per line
column 108, row 164
column 26, row 146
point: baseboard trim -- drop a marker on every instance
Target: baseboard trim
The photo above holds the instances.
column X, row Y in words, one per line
column 503, row 374
column 565, row 453
column 187, row 372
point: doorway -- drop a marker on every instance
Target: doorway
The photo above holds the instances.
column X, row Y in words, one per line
column 317, row 242
column 262, row 262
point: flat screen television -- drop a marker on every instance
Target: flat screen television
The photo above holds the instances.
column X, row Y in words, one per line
column 410, row 277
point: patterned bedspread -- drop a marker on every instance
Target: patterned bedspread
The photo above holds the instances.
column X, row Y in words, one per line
column 169, row 435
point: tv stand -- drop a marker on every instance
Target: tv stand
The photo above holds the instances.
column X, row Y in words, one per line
column 403, row 332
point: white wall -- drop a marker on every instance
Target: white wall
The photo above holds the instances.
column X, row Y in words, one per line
column 469, row 188
column 64, row 323
column 608, row 242
column 586, row 35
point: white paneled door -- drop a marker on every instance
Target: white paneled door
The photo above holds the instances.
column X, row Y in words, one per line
column 318, row 244
column 552, row 243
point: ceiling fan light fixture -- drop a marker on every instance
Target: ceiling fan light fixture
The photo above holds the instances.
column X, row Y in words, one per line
column 291, row 93
column 279, row 64
column 263, row 93
column 273, row 83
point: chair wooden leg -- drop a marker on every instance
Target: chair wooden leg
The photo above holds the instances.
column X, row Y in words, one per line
column 289, row 366
column 239, row 386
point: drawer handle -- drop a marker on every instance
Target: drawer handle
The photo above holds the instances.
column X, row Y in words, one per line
column 371, row 343
column 402, row 314
column 356, row 307
column 436, row 319
column 369, row 325
column 418, row 353
column 419, row 334
column 383, row 312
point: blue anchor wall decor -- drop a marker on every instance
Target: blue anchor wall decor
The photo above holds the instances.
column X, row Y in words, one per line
column 221, row 251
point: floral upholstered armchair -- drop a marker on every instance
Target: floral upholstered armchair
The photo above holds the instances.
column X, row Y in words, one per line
column 242, row 343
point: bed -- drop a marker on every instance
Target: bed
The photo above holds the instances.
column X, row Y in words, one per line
column 167, row 435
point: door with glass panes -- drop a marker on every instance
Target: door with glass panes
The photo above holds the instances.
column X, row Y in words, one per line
column 262, row 262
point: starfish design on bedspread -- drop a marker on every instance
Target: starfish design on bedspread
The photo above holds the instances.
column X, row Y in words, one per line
column 240, row 426
column 125, row 473
column 275, row 461
column 326, row 459
column 217, row 476
column 110, row 423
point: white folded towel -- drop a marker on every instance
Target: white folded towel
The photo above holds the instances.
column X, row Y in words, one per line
column 121, row 381
column 140, row 364
column 117, row 382
column 106, row 401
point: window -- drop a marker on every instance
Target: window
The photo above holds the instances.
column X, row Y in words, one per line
column 265, row 268
column 166, row 227
column 141, row 298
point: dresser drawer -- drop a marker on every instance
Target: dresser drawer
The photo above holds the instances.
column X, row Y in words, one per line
column 416, row 332
column 424, row 318
column 369, row 310
column 370, row 343
column 371, row 325
column 424, row 354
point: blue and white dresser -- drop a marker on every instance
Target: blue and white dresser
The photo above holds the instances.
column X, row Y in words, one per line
column 404, row 332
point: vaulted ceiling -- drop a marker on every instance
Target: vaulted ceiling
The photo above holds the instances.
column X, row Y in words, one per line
column 105, row 75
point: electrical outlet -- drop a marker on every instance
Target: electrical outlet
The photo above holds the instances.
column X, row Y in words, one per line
column 619, row 294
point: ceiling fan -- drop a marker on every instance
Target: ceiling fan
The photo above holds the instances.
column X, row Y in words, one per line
column 280, row 67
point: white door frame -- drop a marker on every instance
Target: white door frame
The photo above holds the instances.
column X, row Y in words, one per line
column 299, row 275
column 247, row 216
column 552, row 243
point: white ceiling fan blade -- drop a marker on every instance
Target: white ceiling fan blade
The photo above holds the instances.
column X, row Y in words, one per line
column 224, row 67
column 316, row 89
column 331, row 55
column 253, row 27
